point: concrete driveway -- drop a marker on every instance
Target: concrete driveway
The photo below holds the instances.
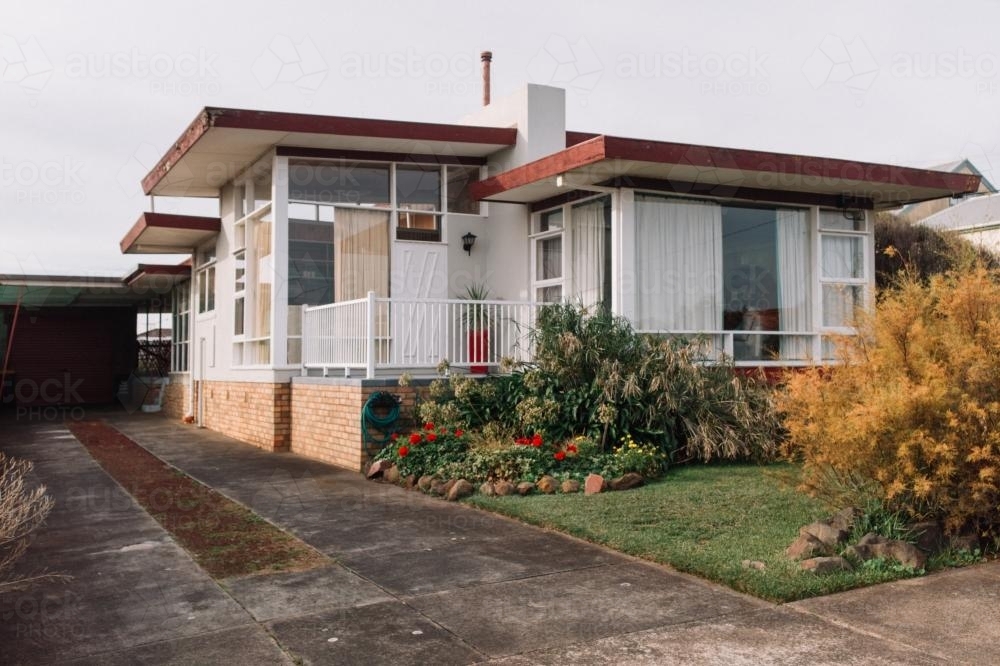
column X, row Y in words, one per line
column 418, row 580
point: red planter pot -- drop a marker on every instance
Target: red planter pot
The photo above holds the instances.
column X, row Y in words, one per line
column 479, row 346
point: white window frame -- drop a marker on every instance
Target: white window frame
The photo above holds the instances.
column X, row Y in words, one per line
column 535, row 238
column 180, row 309
column 205, row 274
column 865, row 282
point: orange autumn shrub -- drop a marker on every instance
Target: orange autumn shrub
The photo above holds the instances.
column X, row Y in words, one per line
column 914, row 410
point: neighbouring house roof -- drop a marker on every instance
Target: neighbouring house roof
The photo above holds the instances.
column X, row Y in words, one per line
column 976, row 214
column 719, row 172
column 65, row 290
column 965, row 165
column 164, row 233
column 221, row 143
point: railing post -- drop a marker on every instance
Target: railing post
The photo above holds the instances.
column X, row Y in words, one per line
column 370, row 361
column 303, row 341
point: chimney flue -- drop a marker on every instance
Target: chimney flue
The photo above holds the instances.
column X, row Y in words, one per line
column 487, row 58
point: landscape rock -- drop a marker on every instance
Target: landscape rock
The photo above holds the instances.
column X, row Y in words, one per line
column 929, row 536
column 504, row 488
column 806, row 546
column 627, row 481
column 378, row 468
column 570, row 486
column 446, row 487
column 410, row 481
column 391, row 475
column 825, row 533
column 756, row 565
column 487, row 489
column 826, row 565
column 525, row 487
column 438, row 487
column 969, row 542
column 873, row 546
column 547, row 484
column 460, row 489
column 424, row 482
column 593, row 484
column 844, row 519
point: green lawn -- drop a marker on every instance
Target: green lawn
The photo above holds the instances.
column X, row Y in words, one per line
column 704, row 520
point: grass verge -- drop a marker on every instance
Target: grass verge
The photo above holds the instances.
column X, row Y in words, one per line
column 704, row 520
column 224, row 537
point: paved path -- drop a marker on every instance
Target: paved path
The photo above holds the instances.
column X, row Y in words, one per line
column 418, row 580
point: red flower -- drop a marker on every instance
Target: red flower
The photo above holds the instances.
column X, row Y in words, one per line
column 459, row 433
column 536, row 441
column 428, row 426
column 559, row 455
column 431, row 437
column 415, row 438
column 403, row 451
column 571, row 448
column 394, row 436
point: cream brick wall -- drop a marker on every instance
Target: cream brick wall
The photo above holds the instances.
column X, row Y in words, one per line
column 258, row 413
column 175, row 397
column 326, row 421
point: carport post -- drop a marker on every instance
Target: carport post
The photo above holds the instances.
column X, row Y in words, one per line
column 10, row 344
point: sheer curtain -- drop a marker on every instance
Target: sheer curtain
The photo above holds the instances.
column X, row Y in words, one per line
column 361, row 253
column 587, row 258
column 794, row 283
column 678, row 265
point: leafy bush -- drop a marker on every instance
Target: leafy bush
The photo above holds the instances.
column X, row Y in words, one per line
column 915, row 408
column 593, row 375
column 902, row 247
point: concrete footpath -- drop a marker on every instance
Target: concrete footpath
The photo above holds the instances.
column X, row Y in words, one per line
column 418, row 580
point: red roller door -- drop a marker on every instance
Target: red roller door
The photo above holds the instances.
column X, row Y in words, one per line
column 63, row 357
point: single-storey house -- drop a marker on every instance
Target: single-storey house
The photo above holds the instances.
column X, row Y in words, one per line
column 345, row 248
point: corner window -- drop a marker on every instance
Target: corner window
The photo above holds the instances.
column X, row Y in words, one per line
column 180, row 307
column 843, row 266
column 205, row 280
column 459, row 199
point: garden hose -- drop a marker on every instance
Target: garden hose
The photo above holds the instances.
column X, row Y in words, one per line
column 384, row 422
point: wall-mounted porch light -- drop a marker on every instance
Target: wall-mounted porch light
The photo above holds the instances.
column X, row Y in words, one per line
column 468, row 240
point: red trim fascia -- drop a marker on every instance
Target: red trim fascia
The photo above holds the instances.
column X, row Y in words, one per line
column 825, row 168
column 375, row 156
column 549, row 166
column 778, row 164
column 560, row 199
column 169, row 221
column 157, row 269
column 573, row 138
column 313, row 124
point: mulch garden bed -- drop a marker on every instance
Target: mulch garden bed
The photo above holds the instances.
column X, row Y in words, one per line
column 224, row 537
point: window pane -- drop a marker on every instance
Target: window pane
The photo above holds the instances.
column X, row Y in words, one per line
column 418, row 226
column 338, row 183
column 551, row 221
column 241, row 271
column 843, row 257
column 549, row 259
column 418, row 185
column 238, row 317
column 261, row 187
column 840, row 302
column 835, row 220
column 310, row 262
column 211, row 288
column 459, row 179
column 549, row 294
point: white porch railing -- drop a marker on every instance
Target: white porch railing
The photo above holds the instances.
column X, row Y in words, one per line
column 388, row 333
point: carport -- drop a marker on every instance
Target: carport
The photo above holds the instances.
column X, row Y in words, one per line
column 71, row 340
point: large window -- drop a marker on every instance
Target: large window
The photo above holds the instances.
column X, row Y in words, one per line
column 547, row 248
column 704, row 267
column 572, row 253
column 205, row 277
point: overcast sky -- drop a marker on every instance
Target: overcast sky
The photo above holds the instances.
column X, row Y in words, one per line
column 92, row 93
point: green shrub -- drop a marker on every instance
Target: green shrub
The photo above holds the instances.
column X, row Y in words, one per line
column 427, row 450
column 914, row 410
column 593, row 375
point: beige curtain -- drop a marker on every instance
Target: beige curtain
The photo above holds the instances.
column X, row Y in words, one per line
column 361, row 253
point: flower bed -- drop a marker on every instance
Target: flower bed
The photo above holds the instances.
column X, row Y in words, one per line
column 447, row 454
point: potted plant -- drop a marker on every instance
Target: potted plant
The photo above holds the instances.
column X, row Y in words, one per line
column 478, row 321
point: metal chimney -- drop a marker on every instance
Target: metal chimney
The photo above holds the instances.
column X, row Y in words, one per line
column 487, row 58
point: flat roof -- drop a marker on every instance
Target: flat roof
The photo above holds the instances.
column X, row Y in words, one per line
column 166, row 233
column 220, row 143
column 610, row 161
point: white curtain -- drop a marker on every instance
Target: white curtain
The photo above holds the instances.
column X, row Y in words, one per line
column 678, row 265
column 794, row 283
column 361, row 253
column 587, row 257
